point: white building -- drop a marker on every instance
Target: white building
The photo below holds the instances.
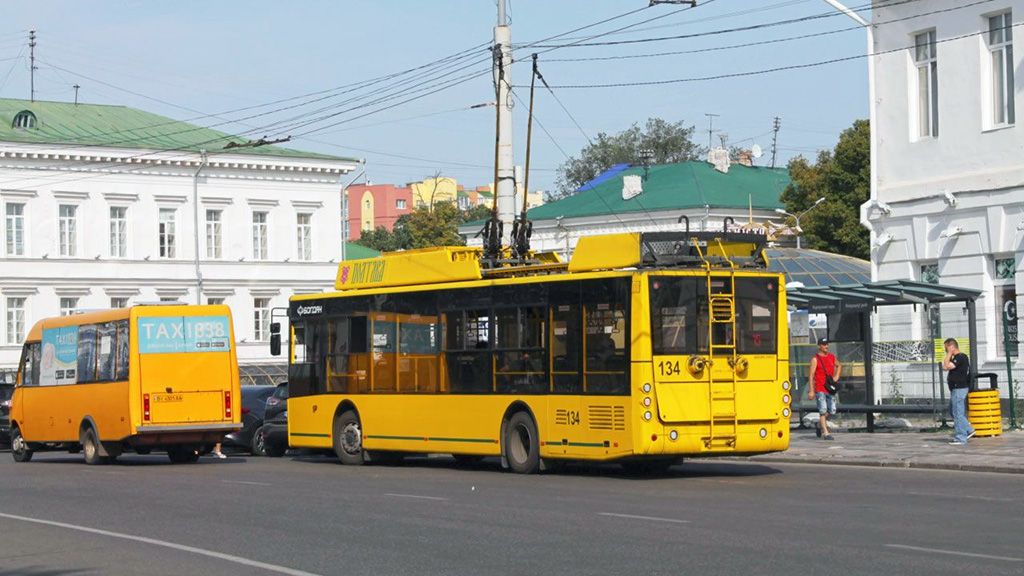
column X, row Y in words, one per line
column 99, row 211
column 949, row 204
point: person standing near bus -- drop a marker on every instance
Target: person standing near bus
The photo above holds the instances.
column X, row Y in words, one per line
column 823, row 365
column 958, row 365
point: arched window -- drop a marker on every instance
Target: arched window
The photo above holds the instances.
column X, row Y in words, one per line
column 24, row 119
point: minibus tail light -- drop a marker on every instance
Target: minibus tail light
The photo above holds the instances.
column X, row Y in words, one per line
column 227, row 404
column 145, row 406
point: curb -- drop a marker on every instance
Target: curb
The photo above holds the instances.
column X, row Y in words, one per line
column 889, row 464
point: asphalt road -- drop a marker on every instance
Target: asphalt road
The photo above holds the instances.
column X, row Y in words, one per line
column 309, row 515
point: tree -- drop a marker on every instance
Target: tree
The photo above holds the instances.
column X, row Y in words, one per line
column 843, row 178
column 424, row 227
column 381, row 240
column 669, row 141
column 478, row 212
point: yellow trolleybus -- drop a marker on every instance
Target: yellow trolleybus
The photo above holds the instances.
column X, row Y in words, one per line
column 161, row 377
column 642, row 349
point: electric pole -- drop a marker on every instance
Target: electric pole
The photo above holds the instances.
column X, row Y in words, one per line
column 76, row 87
column 504, row 186
column 775, row 138
column 32, row 64
column 711, row 129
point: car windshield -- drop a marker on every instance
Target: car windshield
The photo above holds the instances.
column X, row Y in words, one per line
column 6, row 392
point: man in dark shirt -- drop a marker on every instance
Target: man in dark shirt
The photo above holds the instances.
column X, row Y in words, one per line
column 958, row 365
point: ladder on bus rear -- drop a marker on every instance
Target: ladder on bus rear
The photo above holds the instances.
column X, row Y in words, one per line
column 723, row 425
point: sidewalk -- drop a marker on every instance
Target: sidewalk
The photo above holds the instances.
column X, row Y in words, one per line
column 906, row 450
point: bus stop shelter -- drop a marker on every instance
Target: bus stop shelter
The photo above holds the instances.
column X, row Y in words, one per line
column 851, row 307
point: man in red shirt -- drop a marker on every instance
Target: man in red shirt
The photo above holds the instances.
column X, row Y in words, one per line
column 823, row 363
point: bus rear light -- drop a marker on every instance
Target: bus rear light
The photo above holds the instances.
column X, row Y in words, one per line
column 764, row 433
column 145, row 406
column 654, row 437
column 647, row 388
column 227, row 404
column 785, row 385
column 785, row 412
column 673, row 435
column 647, row 415
column 785, row 398
column 647, row 401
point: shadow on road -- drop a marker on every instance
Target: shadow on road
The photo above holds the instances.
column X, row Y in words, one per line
column 128, row 460
column 701, row 469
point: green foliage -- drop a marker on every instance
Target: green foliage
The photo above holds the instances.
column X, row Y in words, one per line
column 481, row 212
column 423, row 228
column 669, row 141
column 381, row 239
column 843, row 178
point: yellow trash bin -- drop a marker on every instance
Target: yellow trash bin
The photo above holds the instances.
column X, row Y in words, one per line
column 984, row 412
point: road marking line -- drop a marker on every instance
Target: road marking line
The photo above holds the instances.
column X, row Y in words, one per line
column 246, row 483
column 954, row 553
column 415, row 496
column 635, row 517
column 165, row 544
column 962, row 497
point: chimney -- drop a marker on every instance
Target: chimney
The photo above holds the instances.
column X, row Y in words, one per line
column 745, row 157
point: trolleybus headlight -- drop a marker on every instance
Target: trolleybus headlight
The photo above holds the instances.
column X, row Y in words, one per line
column 785, row 398
column 647, row 388
column 763, row 433
column 647, row 401
column 647, row 415
column 785, row 412
column 785, row 385
column 673, row 435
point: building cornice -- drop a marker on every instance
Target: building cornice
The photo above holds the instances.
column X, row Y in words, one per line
column 120, row 197
column 24, row 194
column 307, row 204
column 69, row 195
column 19, row 291
column 217, row 200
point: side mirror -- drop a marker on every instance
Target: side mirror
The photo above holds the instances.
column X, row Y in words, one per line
column 275, row 338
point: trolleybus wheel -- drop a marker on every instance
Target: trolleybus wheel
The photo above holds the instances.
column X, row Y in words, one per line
column 143, row 450
column 522, row 448
column 19, row 447
column 348, row 439
column 91, row 447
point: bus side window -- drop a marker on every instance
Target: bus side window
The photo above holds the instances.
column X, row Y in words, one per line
column 86, row 353
column 29, row 370
column 566, row 327
column 106, row 335
column 606, row 336
column 121, row 354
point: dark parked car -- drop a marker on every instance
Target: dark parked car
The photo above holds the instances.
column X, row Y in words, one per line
column 6, row 391
column 254, row 403
column 275, row 425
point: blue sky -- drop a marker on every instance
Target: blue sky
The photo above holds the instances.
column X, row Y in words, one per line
column 185, row 59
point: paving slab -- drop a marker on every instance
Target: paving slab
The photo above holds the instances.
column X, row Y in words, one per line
column 1004, row 453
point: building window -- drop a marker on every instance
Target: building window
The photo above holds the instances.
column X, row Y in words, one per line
column 400, row 204
column 15, row 320
column 930, row 273
column 214, row 301
column 304, row 233
column 261, row 319
column 259, row 235
column 68, row 229
column 119, row 302
column 926, row 65
column 463, row 202
column 118, row 231
column 15, row 229
column 68, row 305
column 1000, row 47
column 167, row 233
column 24, row 119
column 213, row 244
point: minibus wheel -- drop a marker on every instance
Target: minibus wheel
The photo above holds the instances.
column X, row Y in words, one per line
column 522, row 447
column 19, row 448
column 348, row 439
column 91, row 448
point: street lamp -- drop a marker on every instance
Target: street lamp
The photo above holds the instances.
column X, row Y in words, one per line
column 797, row 217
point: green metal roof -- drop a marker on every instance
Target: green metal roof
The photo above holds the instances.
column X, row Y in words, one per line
column 124, row 127
column 355, row 251
column 675, row 187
